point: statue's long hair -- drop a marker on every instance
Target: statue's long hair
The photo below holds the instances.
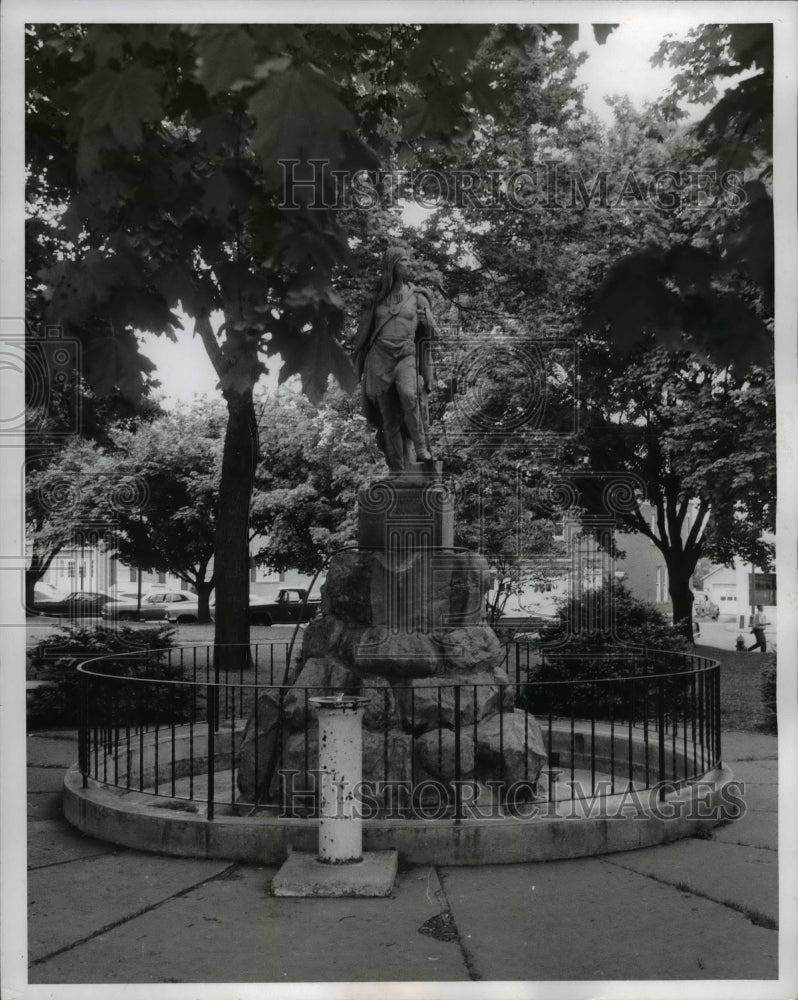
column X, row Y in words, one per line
column 389, row 259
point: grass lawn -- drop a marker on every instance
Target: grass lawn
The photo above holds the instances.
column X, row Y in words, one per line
column 740, row 695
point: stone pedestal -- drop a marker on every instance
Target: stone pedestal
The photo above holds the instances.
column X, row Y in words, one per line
column 403, row 623
column 410, row 512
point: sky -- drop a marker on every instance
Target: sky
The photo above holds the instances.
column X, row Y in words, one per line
column 621, row 65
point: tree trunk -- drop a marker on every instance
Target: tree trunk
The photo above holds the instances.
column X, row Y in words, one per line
column 32, row 577
column 231, row 549
column 38, row 567
column 204, row 591
column 681, row 597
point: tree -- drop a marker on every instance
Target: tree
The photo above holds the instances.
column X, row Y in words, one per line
column 164, row 143
column 55, row 504
column 714, row 290
column 700, row 440
column 312, row 462
column 173, row 465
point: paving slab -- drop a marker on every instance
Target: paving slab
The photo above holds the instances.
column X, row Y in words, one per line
column 67, row 903
column 584, row 919
column 738, row 746
column 49, row 748
column 764, row 771
column 760, row 797
column 746, row 878
column 46, row 779
column 54, row 841
column 233, row 930
column 45, row 805
column 754, row 829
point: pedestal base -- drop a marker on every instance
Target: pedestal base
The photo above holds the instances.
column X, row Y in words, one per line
column 412, row 511
column 303, row 874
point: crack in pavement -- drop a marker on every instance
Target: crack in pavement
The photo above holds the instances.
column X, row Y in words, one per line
column 132, row 916
column 69, row 861
column 755, row 917
column 451, row 925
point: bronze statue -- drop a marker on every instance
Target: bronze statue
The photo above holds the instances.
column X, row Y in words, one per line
column 393, row 359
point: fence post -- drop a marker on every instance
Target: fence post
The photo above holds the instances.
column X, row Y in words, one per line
column 211, row 713
column 458, row 800
column 83, row 722
column 661, row 739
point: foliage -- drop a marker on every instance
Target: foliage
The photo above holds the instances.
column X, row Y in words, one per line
column 56, row 490
column 701, row 444
column 496, row 516
column 162, row 146
column 56, row 657
column 170, row 468
column 715, row 289
column 767, row 687
column 571, row 653
column 312, row 462
column 631, row 622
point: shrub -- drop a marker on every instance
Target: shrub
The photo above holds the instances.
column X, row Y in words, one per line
column 767, row 687
column 56, row 657
column 571, row 654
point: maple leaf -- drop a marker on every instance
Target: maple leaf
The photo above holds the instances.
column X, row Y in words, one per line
column 122, row 100
column 226, row 55
column 314, row 356
column 298, row 116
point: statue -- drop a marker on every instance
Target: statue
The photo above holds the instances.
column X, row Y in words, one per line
column 393, row 359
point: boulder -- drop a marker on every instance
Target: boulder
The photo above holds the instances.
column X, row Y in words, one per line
column 421, row 589
column 399, row 655
column 510, row 746
column 321, row 636
column 427, row 703
column 258, row 757
column 468, row 648
column 383, row 759
column 435, row 754
column 321, row 676
column 509, row 690
column 382, row 710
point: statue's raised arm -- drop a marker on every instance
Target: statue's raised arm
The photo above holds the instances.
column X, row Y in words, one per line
column 394, row 360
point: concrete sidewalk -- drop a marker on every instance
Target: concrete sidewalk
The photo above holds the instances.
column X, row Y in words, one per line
column 695, row 909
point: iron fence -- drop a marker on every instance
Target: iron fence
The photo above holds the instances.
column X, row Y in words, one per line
column 248, row 742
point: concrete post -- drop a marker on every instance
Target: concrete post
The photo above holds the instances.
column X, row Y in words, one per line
column 340, row 773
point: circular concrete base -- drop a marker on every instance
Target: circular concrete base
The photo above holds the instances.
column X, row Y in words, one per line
column 541, row 831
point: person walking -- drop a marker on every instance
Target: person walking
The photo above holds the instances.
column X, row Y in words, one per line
column 758, row 630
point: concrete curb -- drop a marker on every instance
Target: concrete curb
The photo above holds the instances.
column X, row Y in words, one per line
column 565, row 829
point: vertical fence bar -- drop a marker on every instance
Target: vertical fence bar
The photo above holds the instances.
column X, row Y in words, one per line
column 612, row 744
column 701, row 739
column 211, row 711
column 661, row 738
column 718, row 747
column 592, row 738
column 458, row 804
column 645, row 730
column 83, row 727
column 256, row 755
column 157, row 748
column 684, row 728
column 629, row 732
column 692, row 721
column 172, row 727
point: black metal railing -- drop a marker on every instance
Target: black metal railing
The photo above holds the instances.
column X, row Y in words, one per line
column 431, row 748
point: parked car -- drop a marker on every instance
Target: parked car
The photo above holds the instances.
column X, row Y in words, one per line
column 158, row 605
column 78, row 604
column 703, row 607
column 287, row 608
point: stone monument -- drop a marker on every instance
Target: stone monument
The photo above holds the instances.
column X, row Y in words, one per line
column 403, row 617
